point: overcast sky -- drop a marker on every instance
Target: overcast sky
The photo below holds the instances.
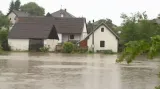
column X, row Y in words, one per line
column 96, row 9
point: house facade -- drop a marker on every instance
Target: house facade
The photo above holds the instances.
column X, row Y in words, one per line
column 13, row 16
column 72, row 30
column 63, row 14
column 102, row 38
column 32, row 37
column 68, row 29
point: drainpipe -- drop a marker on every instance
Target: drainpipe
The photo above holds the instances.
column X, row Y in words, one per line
column 93, row 36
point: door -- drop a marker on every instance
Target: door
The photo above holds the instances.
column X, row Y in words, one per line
column 36, row 44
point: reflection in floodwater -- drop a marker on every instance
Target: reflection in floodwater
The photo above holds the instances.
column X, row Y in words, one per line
column 76, row 71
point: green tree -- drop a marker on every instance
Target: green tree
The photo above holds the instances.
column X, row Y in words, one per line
column 4, row 21
column 17, row 5
column 11, row 8
column 4, row 40
column 146, row 38
column 89, row 27
column 33, row 9
column 136, row 48
column 107, row 21
column 137, row 27
column 4, row 26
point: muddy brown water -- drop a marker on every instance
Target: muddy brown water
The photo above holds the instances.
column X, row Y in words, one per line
column 76, row 71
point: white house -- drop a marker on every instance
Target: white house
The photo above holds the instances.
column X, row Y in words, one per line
column 32, row 36
column 68, row 29
column 35, row 30
column 62, row 13
column 71, row 29
column 14, row 15
column 102, row 38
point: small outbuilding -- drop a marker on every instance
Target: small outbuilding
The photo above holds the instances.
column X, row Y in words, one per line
column 100, row 39
column 33, row 36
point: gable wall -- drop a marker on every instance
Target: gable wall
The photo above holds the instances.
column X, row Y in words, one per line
column 84, row 33
column 111, row 43
column 12, row 16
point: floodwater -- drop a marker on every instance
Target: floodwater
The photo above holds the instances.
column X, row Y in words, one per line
column 75, row 71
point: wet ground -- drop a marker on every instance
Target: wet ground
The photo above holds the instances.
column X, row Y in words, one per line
column 76, row 71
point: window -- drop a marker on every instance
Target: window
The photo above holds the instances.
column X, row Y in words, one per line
column 71, row 36
column 102, row 29
column 102, row 43
column 62, row 15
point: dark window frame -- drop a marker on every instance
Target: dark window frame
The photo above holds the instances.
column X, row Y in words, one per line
column 71, row 37
column 102, row 43
column 102, row 29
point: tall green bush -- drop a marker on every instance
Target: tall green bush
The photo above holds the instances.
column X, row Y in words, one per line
column 68, row 47
column 4, row 40
column 1, row 49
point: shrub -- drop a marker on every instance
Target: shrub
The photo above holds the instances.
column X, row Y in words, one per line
column 108, row 52
column 158, row 87
column 81, row 50
column 68, row 47
column 105, row 51
column 73, row 41
column 78, row 49
column 4, row 40
column 6, row 46
column 90, row 51
column 45, row 49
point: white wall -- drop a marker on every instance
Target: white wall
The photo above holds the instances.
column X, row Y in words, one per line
column 19, row 44
column 111, row 43
column 12, row 16
column 84, row 33
column 51, row 43
column 23, row 44
column 60, row 38
column 66, row 37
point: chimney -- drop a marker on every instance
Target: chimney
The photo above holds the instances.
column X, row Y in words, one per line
column 65, row 10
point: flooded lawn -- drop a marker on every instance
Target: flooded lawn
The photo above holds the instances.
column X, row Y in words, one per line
column 76, row 71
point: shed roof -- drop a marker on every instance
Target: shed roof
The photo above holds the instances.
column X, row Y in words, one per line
column 33, row 30
column 63, row 25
